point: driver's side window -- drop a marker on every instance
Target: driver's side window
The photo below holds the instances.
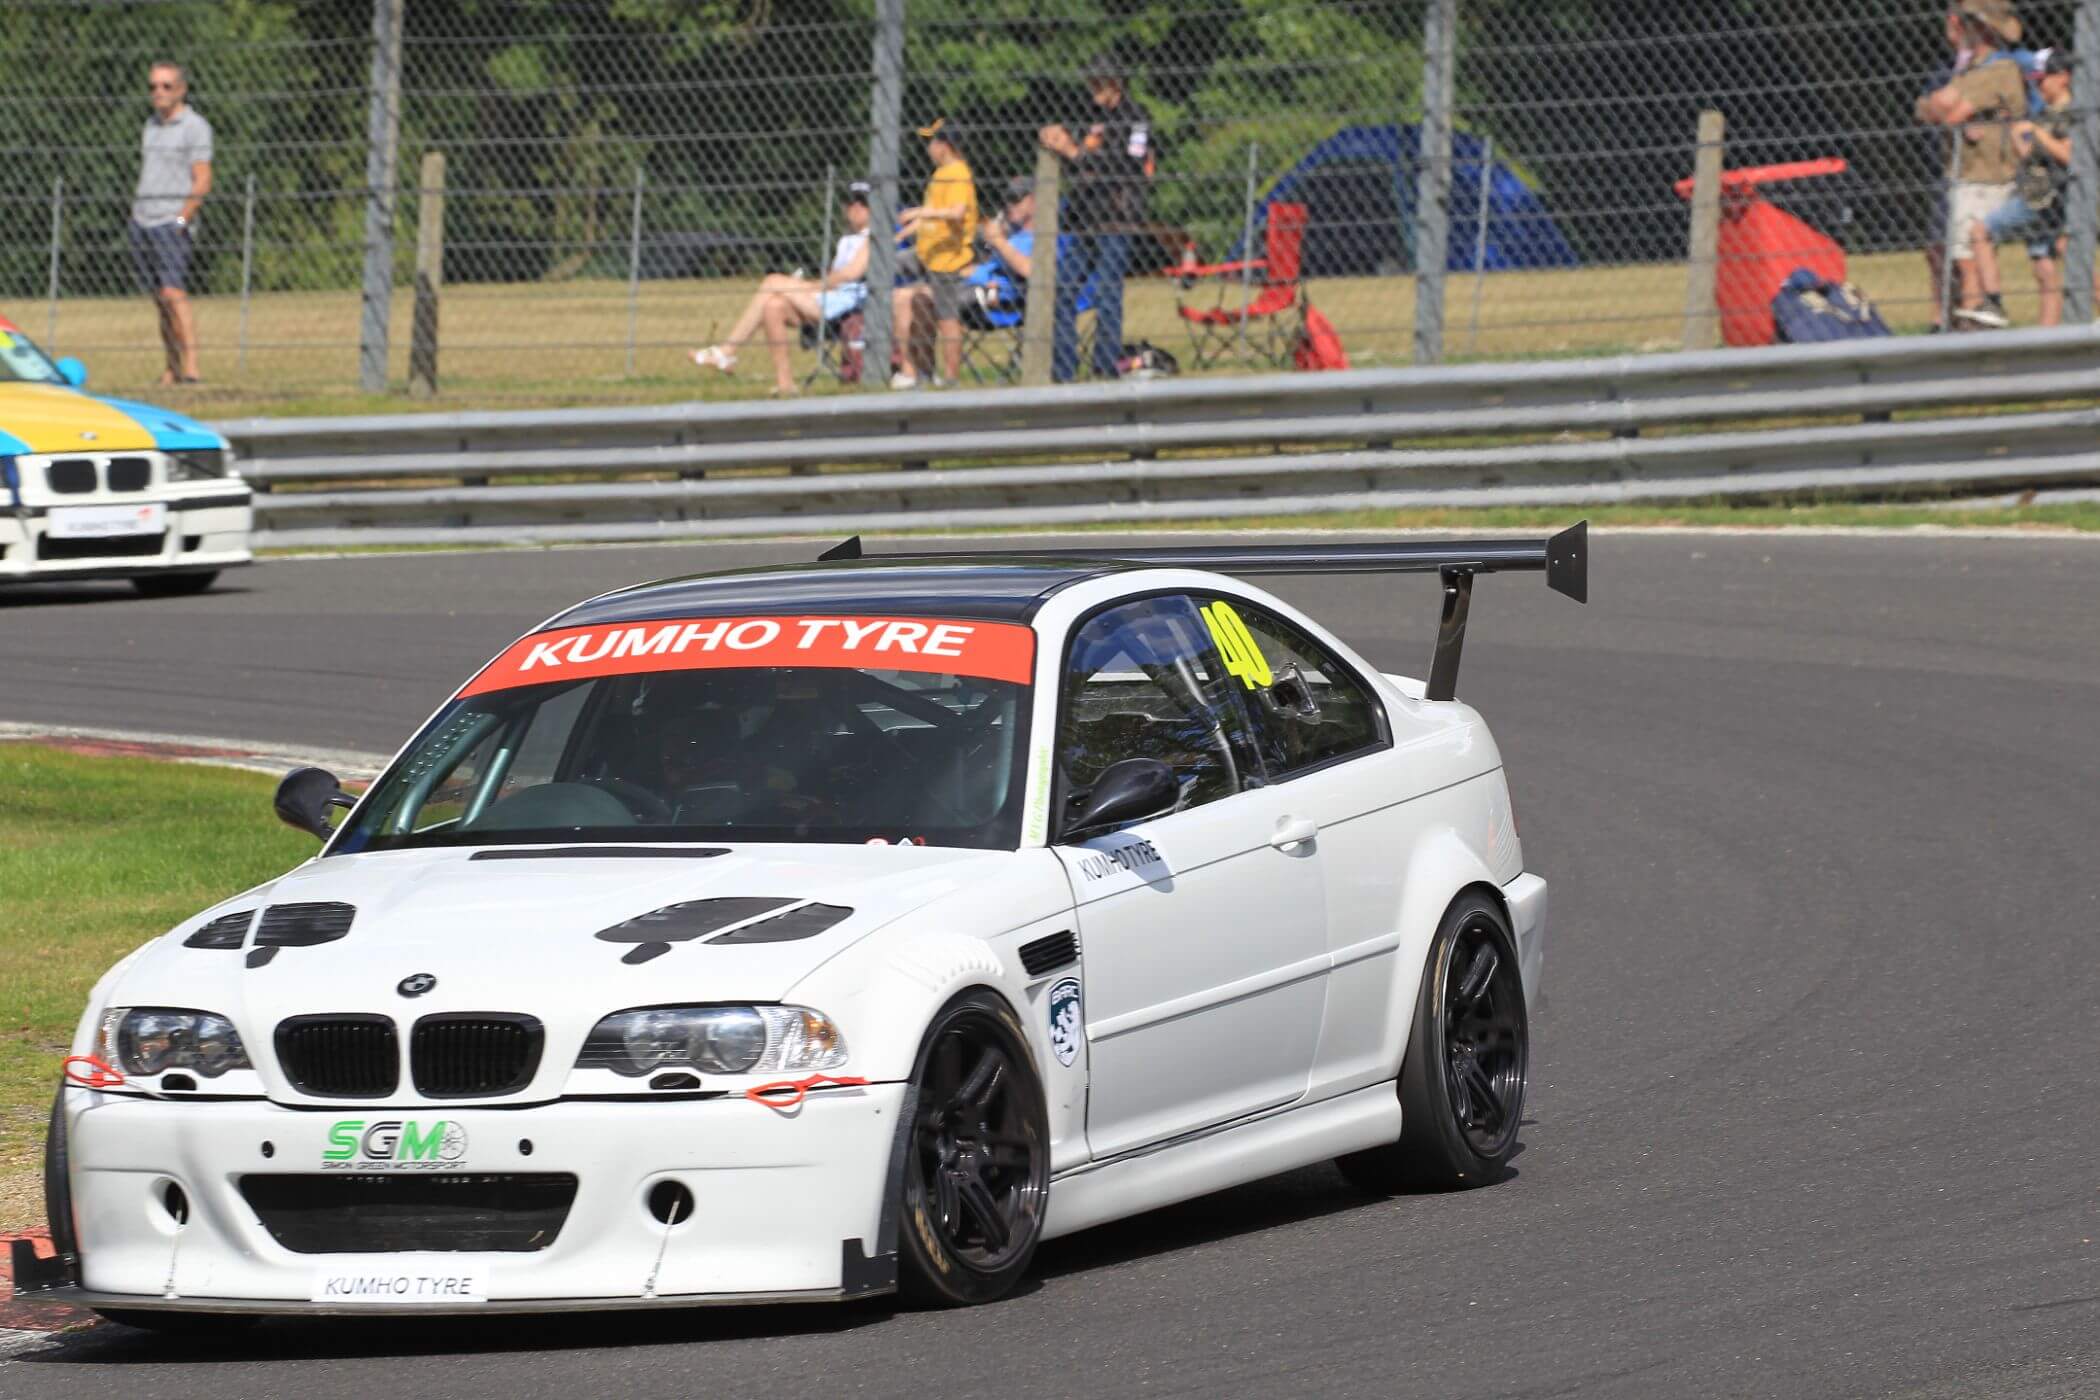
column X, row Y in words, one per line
column 1142, row 681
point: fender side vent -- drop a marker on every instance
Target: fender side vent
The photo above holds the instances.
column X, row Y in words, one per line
column 304, row 925
column 681, row 923
column 226, row 931
column 806, row 922
column 1046, row 955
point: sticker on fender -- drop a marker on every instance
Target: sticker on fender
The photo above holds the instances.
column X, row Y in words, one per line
column 382, row 1280
column 996, row 651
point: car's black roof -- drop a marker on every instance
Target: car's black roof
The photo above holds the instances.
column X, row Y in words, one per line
column 990, row 586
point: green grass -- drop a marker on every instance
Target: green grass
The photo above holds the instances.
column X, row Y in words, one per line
column 97, row 855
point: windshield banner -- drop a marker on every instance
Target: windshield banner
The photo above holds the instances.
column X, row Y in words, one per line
column 995, row 651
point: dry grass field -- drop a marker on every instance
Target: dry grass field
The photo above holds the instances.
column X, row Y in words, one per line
column 561, row 343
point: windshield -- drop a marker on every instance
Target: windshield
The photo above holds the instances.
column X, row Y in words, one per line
column 700, row 746
column 20, row 360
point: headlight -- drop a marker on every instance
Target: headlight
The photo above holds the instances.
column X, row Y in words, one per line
column 150, row 1039
column 717, row 1039
column 197, row 464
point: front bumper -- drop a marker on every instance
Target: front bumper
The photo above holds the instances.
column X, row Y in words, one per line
column 785, row 1206
column 204, row 533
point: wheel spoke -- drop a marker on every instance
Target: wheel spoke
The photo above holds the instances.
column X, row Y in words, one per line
column 947, row 1199
column 984, row 1080
column 979, row 1205
column 1479, row 973
column 1482, row 1088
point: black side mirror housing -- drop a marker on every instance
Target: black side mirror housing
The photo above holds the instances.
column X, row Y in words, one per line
column 1125, row 792
column 304, row 797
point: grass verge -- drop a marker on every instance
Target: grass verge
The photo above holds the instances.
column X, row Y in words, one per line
column 97, row 855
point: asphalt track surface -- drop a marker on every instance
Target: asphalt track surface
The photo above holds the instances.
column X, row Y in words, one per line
column 1816, row 1108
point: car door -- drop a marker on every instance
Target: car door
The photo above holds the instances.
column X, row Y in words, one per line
column 1326, row 744
column 1203, row 929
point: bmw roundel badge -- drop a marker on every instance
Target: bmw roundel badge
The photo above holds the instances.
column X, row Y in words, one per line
column 415, row 984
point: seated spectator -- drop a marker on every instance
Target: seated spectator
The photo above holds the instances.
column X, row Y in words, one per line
column 783, row 304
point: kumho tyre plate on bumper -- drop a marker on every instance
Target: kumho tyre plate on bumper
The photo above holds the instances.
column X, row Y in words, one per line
column 816, row 931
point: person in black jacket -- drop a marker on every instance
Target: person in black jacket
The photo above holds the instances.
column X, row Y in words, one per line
column 1109, row 163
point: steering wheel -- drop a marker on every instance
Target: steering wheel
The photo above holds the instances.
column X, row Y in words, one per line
column 645, row 805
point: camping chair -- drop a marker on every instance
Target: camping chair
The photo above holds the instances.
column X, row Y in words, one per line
column 840, row 356
column 1272, row 318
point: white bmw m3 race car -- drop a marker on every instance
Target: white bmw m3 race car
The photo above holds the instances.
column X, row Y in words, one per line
column 817, row 931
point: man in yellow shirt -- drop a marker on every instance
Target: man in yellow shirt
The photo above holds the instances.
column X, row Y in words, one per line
column 944, row 231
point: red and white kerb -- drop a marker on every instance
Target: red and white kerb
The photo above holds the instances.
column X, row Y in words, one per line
column 995, row 651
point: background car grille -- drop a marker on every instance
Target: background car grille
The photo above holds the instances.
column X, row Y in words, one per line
column 128, row 474
column 360, row 1213
column 113, row 547
column 461, row 1055
column 71, row 476
column 340, row 1057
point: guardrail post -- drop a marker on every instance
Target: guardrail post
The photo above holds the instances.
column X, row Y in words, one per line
column 1039, row 317
column 247, row 265
column 1702, row 263
column 58, row 216
column 1433, row 180
column 2084, row 190
column 382, row 136
column 883, row 155
column 430, row 276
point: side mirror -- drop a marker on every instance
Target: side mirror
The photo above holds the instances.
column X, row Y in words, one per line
column 1126, row 792
column 72, row 371
column 304, row 797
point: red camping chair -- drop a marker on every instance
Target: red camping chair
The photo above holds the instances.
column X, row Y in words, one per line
column 1273, row 315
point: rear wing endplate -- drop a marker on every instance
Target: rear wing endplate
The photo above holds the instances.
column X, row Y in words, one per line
column 1563, row 558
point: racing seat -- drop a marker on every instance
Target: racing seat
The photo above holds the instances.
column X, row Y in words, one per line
column 1271, row 318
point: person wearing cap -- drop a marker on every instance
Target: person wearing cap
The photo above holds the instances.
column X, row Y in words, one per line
column 783, row 304
column 1110, row 160
column 1977, row 107
column 1009, row 236
column 943, row 226
column 2036, row 210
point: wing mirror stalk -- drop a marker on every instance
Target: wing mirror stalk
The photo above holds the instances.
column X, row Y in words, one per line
column 1128, row 791
column 304, row 797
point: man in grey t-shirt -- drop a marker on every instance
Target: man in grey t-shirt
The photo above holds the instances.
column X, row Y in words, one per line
column 174, row 178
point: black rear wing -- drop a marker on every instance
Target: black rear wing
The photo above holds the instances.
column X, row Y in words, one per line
column 1564, row 559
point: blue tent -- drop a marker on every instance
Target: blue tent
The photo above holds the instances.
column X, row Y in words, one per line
column 1358, row 187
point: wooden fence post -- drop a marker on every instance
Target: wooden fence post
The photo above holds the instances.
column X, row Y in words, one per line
column 1038, row 326
column 1702, row 310
column 430, row 275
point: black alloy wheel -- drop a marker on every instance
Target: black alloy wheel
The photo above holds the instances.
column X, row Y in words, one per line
column 1467, row 1063
column 977, row 1163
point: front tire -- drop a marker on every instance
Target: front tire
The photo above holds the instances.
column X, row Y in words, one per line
column 174, row 585
column 58, row 1184
column 976, row 1177
column 1468, row 1062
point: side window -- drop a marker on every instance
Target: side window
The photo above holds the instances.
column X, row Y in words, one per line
column 1308, row 708
column 1142, row 681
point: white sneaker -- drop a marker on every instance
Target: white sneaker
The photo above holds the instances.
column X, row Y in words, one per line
column 716, row 357
column 904, row 379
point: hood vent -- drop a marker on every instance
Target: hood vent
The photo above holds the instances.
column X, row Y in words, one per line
column 1047, row 955
column 604, row 853
column 226, row 931
column 806, row 922
column 303, row 925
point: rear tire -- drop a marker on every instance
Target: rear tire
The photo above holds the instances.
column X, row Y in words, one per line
column 976, row 1179
column 174, row 585
column 1467, row 1064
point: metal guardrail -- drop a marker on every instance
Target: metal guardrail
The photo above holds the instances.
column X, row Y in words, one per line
column 1276, row 444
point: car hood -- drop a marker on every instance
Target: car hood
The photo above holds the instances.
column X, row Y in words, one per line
column 519, row 934
column 54, row 418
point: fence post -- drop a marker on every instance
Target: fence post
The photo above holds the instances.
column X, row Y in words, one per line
column 58, row 207
column 2084, row 189
column 247, row 264
column 883, row 154
column 1433, row 179
column 382, row 134
column 1702, row 264
column 1480, row 239
column 634, row 268
column 430, row 277
column 1246, row 251
column 823, row 263
column 1949, row 272
column 1039, row 316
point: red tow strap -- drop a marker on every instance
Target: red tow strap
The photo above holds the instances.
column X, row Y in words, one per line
column 97, row 1075
column 784, row 1094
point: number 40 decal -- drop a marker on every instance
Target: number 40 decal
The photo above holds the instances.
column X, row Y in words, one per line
column 1236, row 645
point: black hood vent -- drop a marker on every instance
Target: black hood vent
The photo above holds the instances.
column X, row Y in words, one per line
column 303, row 925
column 806, row 922
column 226, row 931
column 1047, row 955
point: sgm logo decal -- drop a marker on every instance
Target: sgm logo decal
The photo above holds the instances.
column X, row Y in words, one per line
column 1065, row 1027
column 1133, row 857
column 393, row 1144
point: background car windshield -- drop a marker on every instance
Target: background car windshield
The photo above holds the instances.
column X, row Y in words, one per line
column 21, row 361
column 825, row 754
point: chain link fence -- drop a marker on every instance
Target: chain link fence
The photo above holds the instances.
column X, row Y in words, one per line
column 1436, row 179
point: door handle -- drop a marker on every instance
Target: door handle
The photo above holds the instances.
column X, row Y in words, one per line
column 1293, row 832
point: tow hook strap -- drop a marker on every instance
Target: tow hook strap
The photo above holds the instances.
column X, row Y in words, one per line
column 784, row 1094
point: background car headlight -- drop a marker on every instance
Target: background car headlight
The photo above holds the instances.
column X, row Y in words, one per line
column 197, row 464
column 716, row 1039
column 150, row 1039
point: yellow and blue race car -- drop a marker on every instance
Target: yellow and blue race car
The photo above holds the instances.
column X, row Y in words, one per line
column 100, row 488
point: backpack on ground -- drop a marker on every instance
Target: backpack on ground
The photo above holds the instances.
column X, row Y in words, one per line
column 1809, row 309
